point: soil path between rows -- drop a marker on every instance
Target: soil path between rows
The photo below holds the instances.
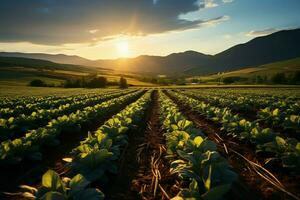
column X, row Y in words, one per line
column 154, row 180
column 144, row 170
column 119, row 185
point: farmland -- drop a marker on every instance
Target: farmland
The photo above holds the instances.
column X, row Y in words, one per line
column 151, row 143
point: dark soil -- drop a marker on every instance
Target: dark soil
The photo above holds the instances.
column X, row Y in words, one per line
column 119, row 186
column 145, row 152
column 154, row 180
column 250, row 185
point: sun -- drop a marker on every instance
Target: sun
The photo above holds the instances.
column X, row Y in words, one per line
column 123, row 48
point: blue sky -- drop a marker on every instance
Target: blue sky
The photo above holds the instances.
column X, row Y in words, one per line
column 124, row 28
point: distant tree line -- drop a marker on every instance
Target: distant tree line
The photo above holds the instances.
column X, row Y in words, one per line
column 282, row 78
column 39, row 83
column 277, row 78
column 95, row 82
column 85, row 82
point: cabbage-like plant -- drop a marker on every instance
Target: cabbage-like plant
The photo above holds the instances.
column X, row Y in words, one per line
column 93, row 162
column 210, row 174
column 262, row 136
column 292, row 122
column 56, row 188
column 176, row 140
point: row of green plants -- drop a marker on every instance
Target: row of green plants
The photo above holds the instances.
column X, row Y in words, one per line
column 265, row 140
column 22, row 101
column 248, row 102
column 278, row 93
column 276, row 113
column 94, row 158
column 11, row 102
column 29, row 146
column 14, row 127
column 193, row 156
column 6, row 112
column 280, row 117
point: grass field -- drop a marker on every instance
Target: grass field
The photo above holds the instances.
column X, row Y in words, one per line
column 22, row 76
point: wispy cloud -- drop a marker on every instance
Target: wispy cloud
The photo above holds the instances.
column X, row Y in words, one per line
column 93, row 31
column 227, row 36
column 257, row 33
column 227, row 1
column 209, row 4
column 215, row 21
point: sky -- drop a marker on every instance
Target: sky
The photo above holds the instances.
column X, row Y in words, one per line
column 108, row 29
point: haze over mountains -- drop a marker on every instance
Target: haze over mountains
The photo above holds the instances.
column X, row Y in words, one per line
column 282, row 45
column 58, row 58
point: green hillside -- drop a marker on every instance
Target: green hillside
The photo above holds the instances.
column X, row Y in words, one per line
column 288, row 67
column 16, row 71
column 41, row 64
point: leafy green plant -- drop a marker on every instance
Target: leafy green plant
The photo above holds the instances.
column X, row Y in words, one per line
column 55, row 188
column 265, row 139
column 292, row 122
column 28, row 146
column 209, row 175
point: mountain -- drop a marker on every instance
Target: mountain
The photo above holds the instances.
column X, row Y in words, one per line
column 282, row 45
column 58, row 58
column 288, row 67
column 173, row 63
column 8, row 62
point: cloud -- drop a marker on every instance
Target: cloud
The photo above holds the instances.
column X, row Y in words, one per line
column 209, row 4
column 227, row 1
column 55, row 50
column 213, row 22
column 93, row 31
column 264, row 32
column 56, row 22
column 227, row 37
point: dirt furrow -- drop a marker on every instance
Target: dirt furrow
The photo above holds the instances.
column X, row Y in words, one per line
column 154, row 180
column 119, row 186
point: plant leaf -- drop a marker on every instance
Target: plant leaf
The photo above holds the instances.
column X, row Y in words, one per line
column 52, row 181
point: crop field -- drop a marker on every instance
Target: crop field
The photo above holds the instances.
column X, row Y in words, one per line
column 151, row 143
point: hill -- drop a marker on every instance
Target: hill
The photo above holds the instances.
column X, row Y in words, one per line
column 20, row 71
column 289, row 67
column 278, row 46
column 282, row 45
column 41, row 64
column 275, row 47
column 171, row 64
column 58, row 58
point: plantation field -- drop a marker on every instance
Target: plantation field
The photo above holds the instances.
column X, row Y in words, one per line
column 150, row 143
